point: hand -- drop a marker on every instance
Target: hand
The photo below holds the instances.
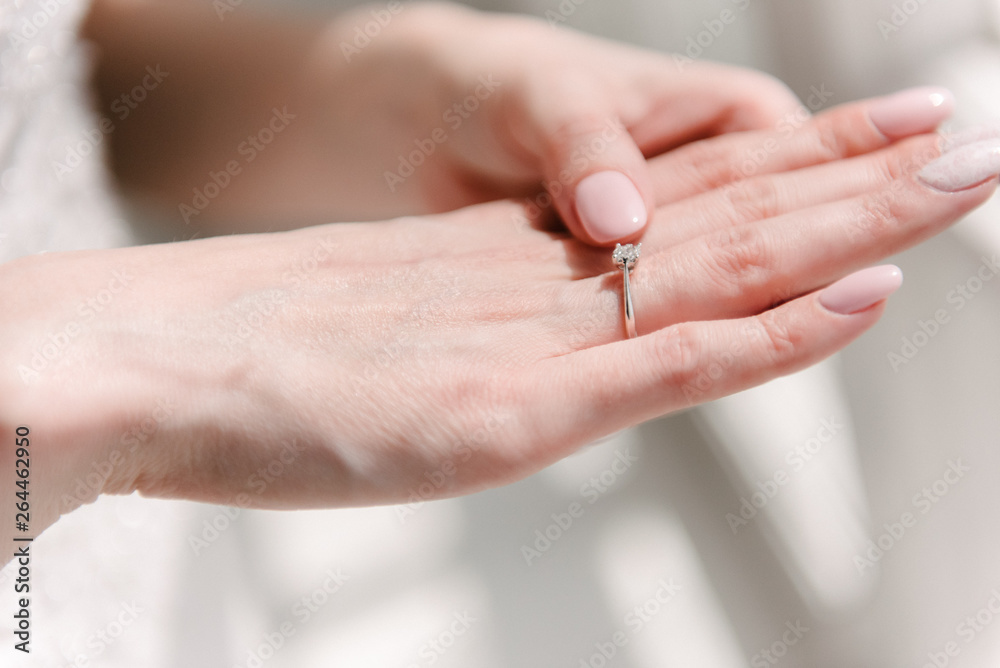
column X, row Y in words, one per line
column 442, row 108
column 358, row 363
column 518, row 103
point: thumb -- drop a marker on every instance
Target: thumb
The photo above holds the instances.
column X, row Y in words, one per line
column 611, row 199
column 592, row 168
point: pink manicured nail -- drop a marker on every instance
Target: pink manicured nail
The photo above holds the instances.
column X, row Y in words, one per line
column 971, row 135
column 964, row 167
column 861, row 289
column 610, row 207
column 912, row 111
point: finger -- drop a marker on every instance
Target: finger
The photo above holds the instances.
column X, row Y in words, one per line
column 770, row 195
column 596, row 175
column 599, row 390
column 745, row 269
column 798, row 141
column 698, row 100
column 593, row 167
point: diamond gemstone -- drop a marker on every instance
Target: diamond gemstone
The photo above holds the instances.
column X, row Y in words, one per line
column 626, row 255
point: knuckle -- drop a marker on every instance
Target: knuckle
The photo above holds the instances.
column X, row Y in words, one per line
column 831, row 143
column 571, row 128
column 878, row 215
column 712, row 165
column 779, row 340
column 678, row 355
column 769, row 95
column 583, row 140
column 757, row 99
column 720, row 166
column 892, row 166
column 909, row 157
column 752, row 200
column 738, row 258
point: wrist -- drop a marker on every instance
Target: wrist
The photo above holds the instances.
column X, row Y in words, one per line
column 109, row 384
column 38, row 344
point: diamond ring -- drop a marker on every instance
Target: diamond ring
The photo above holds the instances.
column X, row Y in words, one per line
column 625, row 258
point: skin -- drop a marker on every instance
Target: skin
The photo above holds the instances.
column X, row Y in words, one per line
column 356, row 114
column 486, row 329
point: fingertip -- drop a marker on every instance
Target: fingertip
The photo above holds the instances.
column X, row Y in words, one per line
column 862, row 289
column 610, row 207
column 912, row 111
column 963, row 167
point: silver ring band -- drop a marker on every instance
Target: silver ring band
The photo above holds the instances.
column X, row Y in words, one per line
column 629, row 313
column 625, row 258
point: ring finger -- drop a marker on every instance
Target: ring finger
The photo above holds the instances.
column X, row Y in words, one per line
column 747, row 269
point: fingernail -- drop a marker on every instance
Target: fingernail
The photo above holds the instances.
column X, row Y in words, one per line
column 861, row 289
column 912, row 111
column 609, row 206
column 964, row 167
column 971, row 136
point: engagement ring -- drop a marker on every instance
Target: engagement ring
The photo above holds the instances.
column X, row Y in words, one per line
column 625, row 258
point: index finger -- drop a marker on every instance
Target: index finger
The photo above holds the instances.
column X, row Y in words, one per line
column 797, row 141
